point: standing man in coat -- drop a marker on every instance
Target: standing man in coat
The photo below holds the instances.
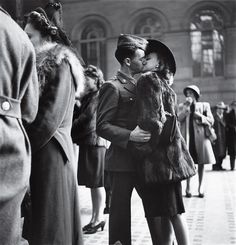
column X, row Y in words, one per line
column 231, row 133
column 18, row 104
column 219, row 145
column 116, row 108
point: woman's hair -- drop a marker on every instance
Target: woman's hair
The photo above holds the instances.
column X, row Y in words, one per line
column 40, row 21
column 96, row 73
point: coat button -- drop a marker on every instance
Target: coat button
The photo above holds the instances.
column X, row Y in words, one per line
column 6, row 106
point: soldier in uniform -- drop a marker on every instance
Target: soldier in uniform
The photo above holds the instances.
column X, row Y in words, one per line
column 115, row 111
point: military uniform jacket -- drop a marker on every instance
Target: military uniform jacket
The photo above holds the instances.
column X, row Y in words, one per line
column 116, row 117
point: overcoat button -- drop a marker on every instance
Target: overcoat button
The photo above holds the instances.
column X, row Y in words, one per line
column 6, row 106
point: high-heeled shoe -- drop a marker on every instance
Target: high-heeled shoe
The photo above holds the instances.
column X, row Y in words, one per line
column 188, row 194
column 87, row 227
column 94, row 229
column 201, row 195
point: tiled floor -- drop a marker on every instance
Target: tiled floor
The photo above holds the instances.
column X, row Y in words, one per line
column 211, row 220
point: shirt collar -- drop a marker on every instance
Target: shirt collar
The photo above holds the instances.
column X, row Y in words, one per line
column 124, row 78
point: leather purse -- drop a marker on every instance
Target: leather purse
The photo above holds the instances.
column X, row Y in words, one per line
column 210, row 133
column 169, row 130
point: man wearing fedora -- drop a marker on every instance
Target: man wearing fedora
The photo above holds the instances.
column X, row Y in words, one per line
column 219, row 145
column 116, row 122
column 231, row 133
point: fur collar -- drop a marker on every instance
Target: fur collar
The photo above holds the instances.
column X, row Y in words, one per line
column 58, row 53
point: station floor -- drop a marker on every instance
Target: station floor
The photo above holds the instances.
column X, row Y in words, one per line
column 211, row 220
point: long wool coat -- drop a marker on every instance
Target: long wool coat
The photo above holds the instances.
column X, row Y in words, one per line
column 55, row 210
column 18, row 104
column 203, row 145
column 219, row 146
column 231, row 132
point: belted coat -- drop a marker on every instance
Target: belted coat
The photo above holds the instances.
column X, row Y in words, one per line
column 54, row 194
column 18, row 104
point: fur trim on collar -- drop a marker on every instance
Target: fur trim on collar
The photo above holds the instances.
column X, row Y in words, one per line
column 59, row 53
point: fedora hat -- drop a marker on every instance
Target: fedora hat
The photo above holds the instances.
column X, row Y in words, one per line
column 221, row 105
column 233, row 103
column 193, row 88
column 160, row 48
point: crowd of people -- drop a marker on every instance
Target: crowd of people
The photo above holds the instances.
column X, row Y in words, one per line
column 51, row 101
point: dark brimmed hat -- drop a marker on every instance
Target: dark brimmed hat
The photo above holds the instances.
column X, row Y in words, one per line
column 161, row 49
column 129, row 41
column 193, row 88
column 221, row 105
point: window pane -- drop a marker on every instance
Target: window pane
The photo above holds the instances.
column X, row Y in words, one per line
column 148, row 24
column 196, row 48
column 93, row 45
column 207, row 44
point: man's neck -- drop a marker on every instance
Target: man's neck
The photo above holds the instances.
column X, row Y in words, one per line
column 126, row 71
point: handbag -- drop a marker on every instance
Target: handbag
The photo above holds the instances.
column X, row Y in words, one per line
column 210, row 133
column 169, row 130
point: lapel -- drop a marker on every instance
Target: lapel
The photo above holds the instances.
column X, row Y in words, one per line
column 220, row 120
column 127, row 82
column 199, row 107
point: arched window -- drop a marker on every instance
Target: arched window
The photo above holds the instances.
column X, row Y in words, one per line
column 92, row 44
column 148, row 25
column 207, row 44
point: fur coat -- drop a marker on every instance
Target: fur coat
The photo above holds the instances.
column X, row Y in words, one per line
column 156, row 101
column 59, row 71
column 84, row 122
column 54, row 193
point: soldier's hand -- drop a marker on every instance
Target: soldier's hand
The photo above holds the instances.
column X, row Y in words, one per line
column 139, row 135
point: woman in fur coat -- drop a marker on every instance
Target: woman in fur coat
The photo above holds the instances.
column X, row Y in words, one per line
column 92, row 148
column 156, row 99
column 55, row 210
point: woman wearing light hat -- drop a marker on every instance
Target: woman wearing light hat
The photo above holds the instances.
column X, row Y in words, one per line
column 193, row 116
column 219, row 145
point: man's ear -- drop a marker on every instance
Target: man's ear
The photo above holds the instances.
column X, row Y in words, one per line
column 127, row 61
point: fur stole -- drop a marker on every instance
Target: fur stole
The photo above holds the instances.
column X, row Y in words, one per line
column 51, row 55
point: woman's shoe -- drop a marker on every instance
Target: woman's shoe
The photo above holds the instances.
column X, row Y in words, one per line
column 201, row 195
column 188, row 194
column 87, row 227
column 94, row 229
